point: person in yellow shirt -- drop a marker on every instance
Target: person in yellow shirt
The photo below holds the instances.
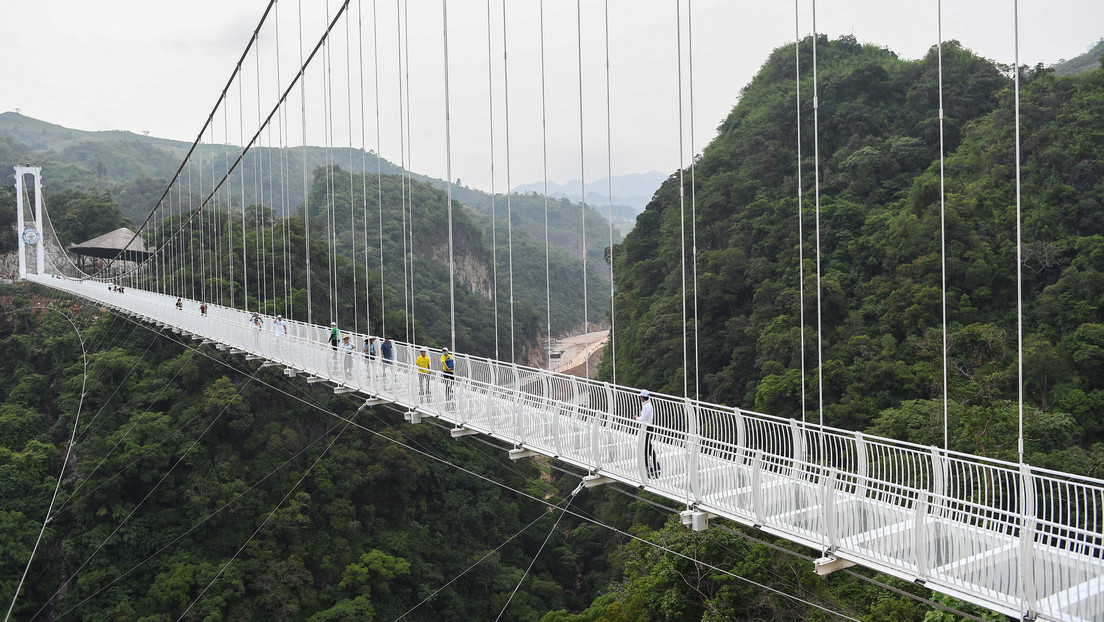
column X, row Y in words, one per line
column 423, row 373
column 448, row 372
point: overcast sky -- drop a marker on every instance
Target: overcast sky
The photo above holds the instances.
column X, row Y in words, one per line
column 158, row 67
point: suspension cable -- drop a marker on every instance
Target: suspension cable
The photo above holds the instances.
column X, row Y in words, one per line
column 582, row 188
column 693, row 194
column 352, row 195
column 241, row 172
column 816, row 176
column 364, row 170
column 544, row 156
column 294, row 486
column 532, row 561
column 410, row 168
column 682, row 195
column 331, row 198
column 800, row 208
column 609, row 191
column 64, row 464
column 448, row 174
column 509, row 208
column 1019, row 242
column 942, row 219
column 379, row 163
column 490, row 131
column 406, row 258
column 306, row 184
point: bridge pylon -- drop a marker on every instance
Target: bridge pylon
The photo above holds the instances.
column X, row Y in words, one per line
column 30, row 231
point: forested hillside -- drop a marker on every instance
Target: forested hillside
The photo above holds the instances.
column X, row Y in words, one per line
column 880, row 301
column 200, row 480
column 880, row 244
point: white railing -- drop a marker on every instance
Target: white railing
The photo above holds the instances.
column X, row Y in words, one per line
column 1018, row 540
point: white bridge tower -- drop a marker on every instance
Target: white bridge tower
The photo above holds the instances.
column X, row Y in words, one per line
column 30, row 232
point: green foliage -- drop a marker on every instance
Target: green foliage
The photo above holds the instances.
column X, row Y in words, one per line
column 879, row 286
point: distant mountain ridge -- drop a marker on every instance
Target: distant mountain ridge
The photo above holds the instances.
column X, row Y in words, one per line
column 1080, row 64
column 631, row 193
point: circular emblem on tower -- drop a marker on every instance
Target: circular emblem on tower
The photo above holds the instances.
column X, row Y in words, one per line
column 31, row 236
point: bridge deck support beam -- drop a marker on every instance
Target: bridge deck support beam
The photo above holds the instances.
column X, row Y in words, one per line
column 830, row 563
column 519, row 452
column 696, row 519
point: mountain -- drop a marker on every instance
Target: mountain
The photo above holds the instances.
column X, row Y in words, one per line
column 630, row 194
column 1089, row 61
column 135, row 169
column 880, row 304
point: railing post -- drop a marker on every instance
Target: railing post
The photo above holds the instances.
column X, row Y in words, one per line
column 757, row 487
column 862, row 465
column 920, row 533
column 596, row 428
column 939, row 484
column 458, row 390
column 798, row 450
column 1027, row 542
column 693, row 440
column 828, row 502
column 741, row 437
column 517, row 410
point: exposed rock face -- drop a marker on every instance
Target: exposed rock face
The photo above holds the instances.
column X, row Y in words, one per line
column 470, row 269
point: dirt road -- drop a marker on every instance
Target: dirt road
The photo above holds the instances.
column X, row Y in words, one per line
column 573, row 347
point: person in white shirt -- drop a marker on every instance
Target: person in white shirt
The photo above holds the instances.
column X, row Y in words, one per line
column 280, row 326
column 646, row 417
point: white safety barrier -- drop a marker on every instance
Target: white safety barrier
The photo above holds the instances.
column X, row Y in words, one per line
column 1022, row 541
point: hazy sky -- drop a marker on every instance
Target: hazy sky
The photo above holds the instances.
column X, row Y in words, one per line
column 158, row 67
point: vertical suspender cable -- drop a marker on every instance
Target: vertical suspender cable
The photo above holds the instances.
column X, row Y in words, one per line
column 816, row 176
column 352, row 213
column 800, row 210
column 490, row 130
column 260, row 220
column 379, row 163
column 191, row 237
column 942, row 217
column 509, row 210
column 229, row 201
column 1019, row 242
column 406, row 276
column 331, row 199
column 693, row 192
column 609, row 190
column 410, row 169
column 216, row 224
column 448, row 173
column 284, row 189
column 202, row 234
column 306, row 184
column 544, row 155
column 582, row 188
column 241, row 170
column 682, row 196
column 822, row 458
column 364, row 170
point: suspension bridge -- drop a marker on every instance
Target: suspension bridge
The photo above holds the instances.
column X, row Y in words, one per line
column 1023, row 541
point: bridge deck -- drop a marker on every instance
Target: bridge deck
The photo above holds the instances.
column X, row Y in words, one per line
column 1018, row 540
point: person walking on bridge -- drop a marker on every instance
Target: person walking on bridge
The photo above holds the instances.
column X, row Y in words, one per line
column 448, row 372
column 646, row 417
column 423, row 373
column 388, row 352
column 347, row 354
